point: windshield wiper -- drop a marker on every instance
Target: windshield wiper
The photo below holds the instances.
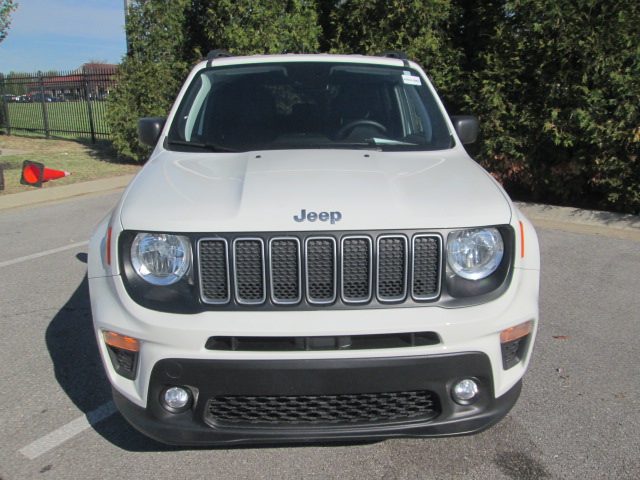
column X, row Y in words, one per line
column 388, row 141
column 212, row 147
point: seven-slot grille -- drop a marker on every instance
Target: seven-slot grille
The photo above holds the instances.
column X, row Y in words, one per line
column 319, row 269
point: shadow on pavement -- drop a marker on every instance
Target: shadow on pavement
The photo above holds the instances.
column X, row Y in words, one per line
column 78, row 369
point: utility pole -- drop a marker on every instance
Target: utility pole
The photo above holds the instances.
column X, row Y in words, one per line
column 127, row 4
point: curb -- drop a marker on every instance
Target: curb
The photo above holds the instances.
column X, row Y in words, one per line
column 593, row 218
column 64, row 193
column 576, row 220
column 542, row 216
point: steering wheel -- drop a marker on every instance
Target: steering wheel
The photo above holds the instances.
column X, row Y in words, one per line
column 342, row 133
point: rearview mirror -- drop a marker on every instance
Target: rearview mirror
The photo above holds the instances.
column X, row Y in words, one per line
column 149, row 130
column 466, row 127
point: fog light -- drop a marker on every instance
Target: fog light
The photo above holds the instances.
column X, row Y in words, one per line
column 465, row 392
column 176, row 399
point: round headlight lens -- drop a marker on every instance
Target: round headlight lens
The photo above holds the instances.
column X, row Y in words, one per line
column 475, row 254
column 159, row 258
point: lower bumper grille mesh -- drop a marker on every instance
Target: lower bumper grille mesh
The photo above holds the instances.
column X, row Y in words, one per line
column 319, row 409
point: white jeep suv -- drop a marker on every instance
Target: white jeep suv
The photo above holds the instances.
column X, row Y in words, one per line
column 310, row 254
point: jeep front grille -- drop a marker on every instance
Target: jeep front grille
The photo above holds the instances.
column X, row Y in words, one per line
column 356, row 269
column 392, row 268
column 286, row 270
column 316, row 270
column 214, row 271
column 248, row 263
column 320, row 267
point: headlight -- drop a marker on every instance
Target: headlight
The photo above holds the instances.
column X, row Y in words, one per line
column 475, row 254
column 159, row 258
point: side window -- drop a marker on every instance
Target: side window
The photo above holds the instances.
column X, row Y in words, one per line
column 405, row 113
column 415, row 119
column 393, row 112
column 190, row 117
column 415, row 124
column 196, row 112
column 419, row 114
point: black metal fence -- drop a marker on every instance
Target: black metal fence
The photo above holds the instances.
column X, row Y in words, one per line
column 57, row 103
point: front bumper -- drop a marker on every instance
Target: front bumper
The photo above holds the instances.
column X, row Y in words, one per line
column 315, row 379
column 469, row 346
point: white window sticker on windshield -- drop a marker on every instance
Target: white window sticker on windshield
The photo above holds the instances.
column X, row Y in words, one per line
column 411, row 80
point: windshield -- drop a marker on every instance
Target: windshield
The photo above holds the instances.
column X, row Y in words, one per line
column 308, row 105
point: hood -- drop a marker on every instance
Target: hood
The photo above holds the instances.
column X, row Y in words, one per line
column 312, row 190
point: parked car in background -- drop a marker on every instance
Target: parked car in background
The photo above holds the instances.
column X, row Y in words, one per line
column 69, row 97
column 38, row 97
column 99, row 97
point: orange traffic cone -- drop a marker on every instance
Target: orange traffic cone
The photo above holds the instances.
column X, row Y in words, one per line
column 35, row 174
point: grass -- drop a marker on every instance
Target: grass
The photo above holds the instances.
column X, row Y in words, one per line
column 84, row 160
column 63, row 117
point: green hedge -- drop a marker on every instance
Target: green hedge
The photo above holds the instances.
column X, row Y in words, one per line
column 554, row 82
column 557, row 88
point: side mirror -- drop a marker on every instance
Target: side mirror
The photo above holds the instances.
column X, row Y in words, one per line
column 149, row 130
column 466, row 127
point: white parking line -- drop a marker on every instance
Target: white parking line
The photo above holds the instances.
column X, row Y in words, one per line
column 68, row 431
column 43, row 254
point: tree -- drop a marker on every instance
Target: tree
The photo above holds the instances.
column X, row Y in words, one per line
column 6, row 7
column 554, row 82
column 16, row 83
column 418, row 28
column 255, row 26
column 167, row 38
column 150, row 77
column 556, row 86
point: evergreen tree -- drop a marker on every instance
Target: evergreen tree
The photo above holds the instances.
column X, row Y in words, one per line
column 556, row 87
column 151, row 75
column 418, row 28
column 554, row 82
column 257, row 27
column 167, row 38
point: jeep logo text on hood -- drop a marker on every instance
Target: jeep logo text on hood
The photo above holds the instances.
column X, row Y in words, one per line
column 333, row 217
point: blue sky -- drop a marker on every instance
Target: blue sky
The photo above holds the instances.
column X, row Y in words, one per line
column 63, row 35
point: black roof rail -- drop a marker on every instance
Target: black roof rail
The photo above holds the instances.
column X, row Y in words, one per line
column 218, row 53
column 393, row 54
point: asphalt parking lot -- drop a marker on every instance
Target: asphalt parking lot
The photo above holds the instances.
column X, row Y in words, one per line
column 578, row 415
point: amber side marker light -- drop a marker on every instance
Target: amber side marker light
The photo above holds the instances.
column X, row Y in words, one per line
column 108, row 246
column 121, row 341
column 514, row 333
column 521, row 240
